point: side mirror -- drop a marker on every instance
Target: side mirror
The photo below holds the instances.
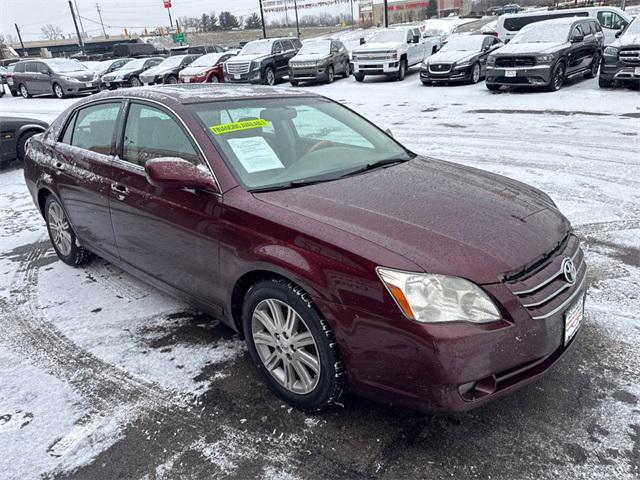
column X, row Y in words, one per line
column 416, row 39
column 389, row 132
column 619, row 32
column 178, row 173
column 577, row 38
column 362, row 41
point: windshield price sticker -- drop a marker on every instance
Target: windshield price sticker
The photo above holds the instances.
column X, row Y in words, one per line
column 255, row 154
column 238, row 126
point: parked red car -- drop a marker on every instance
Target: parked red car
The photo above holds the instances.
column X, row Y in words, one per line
column 343, row 258
column 206, row 69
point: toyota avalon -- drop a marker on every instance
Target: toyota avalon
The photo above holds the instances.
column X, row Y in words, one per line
column 343, row 258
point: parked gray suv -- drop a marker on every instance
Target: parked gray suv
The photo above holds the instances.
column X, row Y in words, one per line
column 60, row 77
column 546, row 53
column 319, row 61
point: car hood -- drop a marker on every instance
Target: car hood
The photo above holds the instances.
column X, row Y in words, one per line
column 79, row 75
column 155, row 71
column 246, row 58
column 191, row 71
column 377, row 46
column 627, row 41
column 444, row 217
column 310, row 57
column 530, row 48
column 452, row 56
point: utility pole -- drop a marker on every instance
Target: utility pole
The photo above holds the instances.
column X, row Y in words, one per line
column 264, row 27
column 352, row 20
column 295, row 6
column 75, row 23
column 84, row 34
column 170, row 19
column 104, row 32
column 386, row 14
column 24, row 52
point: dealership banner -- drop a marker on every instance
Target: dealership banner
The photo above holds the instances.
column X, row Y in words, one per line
column 272, row 6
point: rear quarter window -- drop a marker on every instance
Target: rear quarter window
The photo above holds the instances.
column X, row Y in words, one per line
column 19, row 68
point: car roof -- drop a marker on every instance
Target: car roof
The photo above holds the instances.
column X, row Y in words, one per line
column 561, row 21
column 201, row 93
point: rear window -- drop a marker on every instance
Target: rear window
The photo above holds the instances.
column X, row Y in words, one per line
column 19, row 68
column 514, row 24
column 94, row 127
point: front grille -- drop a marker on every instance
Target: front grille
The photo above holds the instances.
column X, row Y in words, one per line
column 439, row 67
column 239, row 68
column 374, row 55
column 545, row 291
column 630, row 57
column 512, row 62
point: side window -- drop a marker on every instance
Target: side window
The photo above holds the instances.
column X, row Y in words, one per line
column 68, row 132
column 31, row 67
column 597, row 27
column 577, row 31
column 19, row 68
column 610, row 20
column 277, row 48
column 341, row 48
column 42, row 68
column 409, row 36
column 314, row 124
column 152, row 133
column 94, row 127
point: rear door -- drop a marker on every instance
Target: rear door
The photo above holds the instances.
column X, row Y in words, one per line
column 30, row 78
column 289, row 51
column 578, row 52
column 169, row 234
column 84, row 172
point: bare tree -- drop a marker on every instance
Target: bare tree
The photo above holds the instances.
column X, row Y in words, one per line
column 51, row 32
column 8, row 38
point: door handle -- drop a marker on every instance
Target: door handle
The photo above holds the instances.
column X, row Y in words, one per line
column 120, row 190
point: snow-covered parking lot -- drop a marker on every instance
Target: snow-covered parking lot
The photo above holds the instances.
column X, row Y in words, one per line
column 102, row 377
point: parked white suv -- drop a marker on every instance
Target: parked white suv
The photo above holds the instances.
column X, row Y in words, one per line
column 390, row 51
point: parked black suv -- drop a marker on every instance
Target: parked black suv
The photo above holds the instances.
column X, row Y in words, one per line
column 621, row 59
column 262, row 61
column 167, row 71
column 546, row 53
column 129, row 74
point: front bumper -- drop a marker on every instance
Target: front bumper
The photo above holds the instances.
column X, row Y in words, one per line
column 310, row 74
column 376, row 67
column 617, row 71
column 454, row 75
column 74, row 88
column 113, row 84
column 538, row 75
column 253, row 76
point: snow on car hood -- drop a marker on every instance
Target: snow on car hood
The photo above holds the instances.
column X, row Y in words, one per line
column 627, row 41
column 433, row 212
column 155, row 71
column 530, row 48
column 192, row 71
column 379, row 46
column 310, row 57
column 454, row 56
column 247, row 58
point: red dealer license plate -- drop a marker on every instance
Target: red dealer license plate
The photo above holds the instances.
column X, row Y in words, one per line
column 573, row 319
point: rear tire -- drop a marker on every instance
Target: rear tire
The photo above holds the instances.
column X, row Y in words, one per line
column 294, row 83
column 595, row 67
column 62, row 237
column 492, row 87
column 14, row 93
column 24, row 91
column 296, row 353
column 359, row 77
column 603, row 83
column 347, row 71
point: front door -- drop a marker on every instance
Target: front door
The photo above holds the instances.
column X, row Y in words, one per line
column 84, row 172
column 170, row 234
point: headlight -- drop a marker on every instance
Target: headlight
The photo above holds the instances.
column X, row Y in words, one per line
column 462, row 65
column 491, row 61
column 394, row 55
column 544, row 58
column 611, row 51
column 68, row 78
column 433, row 298
column 354, row 57
column 255, row 65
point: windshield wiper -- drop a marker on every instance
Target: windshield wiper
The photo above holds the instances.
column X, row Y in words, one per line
column 374, row 165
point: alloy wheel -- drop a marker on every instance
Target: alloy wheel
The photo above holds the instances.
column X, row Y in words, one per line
column 172, row 80
column 24, row 92
column 214, row 79
column 286, row 346
column 558, row 78
column 57, row 90
column 135, row 82
column 59, row 227
column 330, row 74
column 595, row 66
column 271, row 78
column 475, row 73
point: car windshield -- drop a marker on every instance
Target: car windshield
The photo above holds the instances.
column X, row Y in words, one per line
column 286, row 142
column 261, row 47
column 634, row 28
column 63, row 65
column 318, row 47
column 543, row 32
column 134, row 64
column 208, row 60
column 467, row 43
column 171, row 62
column 384, row 36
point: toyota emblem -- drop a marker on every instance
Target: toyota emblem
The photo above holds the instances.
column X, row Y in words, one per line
column 569, row 271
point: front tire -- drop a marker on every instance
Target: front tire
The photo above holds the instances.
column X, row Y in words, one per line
column 58, row 91
column 557, row 78
column 269, row 77
column 402, row 72
column 294, row 83
column 62, row 237
column 172, row 80
column 291, row 345
column 347, row 71
column 330, row 74
column 359, row 77
column 135, row 82
column 475, row 73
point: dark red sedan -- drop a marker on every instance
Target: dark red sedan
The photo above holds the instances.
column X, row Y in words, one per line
column 206, row 69
column 343, row 258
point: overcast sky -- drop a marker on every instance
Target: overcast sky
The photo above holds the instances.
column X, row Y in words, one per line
column 30, row 15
